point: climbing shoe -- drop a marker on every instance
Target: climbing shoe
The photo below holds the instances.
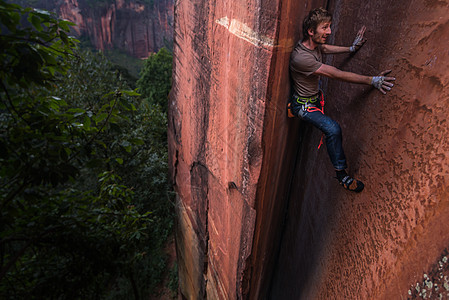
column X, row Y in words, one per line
column 352, row 184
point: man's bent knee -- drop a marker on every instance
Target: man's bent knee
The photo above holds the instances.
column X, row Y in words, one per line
column 334, row 129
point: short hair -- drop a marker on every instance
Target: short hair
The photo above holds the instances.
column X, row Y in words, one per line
column 313, row 19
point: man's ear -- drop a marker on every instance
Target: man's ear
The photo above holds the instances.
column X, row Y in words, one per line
column 311, row 32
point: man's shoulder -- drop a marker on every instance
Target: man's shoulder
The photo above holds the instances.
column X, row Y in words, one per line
column 305, row 60
column 299, row 48
column 302, row 51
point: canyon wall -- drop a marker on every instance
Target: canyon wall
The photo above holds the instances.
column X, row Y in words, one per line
column 259, row 214
column 138, row 28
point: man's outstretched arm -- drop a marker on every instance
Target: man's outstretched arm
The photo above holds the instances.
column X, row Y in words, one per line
column 333, row 49
column 356, row 45
column 380, row 82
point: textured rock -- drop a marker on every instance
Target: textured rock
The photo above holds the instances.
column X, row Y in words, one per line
column 136, row 27
column 216, row 119
column 374, row 245
column 260, row 214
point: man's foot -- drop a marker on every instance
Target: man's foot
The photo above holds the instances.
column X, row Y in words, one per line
column 352, row 184
column 348, row 182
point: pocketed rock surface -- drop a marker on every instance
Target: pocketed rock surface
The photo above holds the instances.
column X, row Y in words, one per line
column 259, row 212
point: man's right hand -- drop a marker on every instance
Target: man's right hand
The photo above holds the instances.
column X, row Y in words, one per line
column 383, row 83
column 359, row 40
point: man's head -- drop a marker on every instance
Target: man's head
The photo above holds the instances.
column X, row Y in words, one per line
column 313, row 20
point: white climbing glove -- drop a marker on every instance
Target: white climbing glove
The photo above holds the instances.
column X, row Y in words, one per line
column 383, row 83
column 358, row 41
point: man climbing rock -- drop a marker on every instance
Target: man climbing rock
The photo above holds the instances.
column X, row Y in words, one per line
column 306, row 67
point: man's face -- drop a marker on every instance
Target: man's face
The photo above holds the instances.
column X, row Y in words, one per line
column 322, row 32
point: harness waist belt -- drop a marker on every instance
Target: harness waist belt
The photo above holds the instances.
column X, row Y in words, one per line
column 304, row 100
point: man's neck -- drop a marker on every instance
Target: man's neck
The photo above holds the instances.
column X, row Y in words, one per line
column 309, row 44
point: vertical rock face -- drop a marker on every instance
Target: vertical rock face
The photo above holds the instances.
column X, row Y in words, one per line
column 376, row 244
column 136, row 27
column 259, row 212
column 222, row 58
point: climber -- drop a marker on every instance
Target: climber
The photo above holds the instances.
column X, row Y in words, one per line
column 307, row 102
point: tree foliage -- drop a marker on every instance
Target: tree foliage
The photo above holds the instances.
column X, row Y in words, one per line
column 155, row 78
column 83, row 190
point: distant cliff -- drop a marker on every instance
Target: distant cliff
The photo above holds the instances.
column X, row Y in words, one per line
column 136, row 27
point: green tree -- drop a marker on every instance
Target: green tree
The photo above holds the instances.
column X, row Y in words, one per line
column 137, row 150
column 155, row 78
column 75, row 217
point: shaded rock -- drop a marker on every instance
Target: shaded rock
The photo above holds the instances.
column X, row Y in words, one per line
column 266, row 218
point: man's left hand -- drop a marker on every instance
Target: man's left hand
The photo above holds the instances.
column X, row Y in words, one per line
column 382, row 83
column 359, row 40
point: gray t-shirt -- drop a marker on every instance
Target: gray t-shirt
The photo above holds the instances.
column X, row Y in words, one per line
column 303, row 62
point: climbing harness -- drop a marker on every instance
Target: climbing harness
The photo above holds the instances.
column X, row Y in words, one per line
column 308, row 104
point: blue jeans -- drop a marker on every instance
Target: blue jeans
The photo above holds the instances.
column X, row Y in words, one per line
column 331, row 130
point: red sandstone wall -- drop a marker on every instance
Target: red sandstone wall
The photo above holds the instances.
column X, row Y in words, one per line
column 377, row 244
column 240, row 167
column 221, row 69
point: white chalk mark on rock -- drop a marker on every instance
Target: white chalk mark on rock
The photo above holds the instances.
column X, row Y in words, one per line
column 242, row 31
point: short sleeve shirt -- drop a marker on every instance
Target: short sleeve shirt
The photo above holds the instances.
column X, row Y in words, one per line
column 303, row 63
